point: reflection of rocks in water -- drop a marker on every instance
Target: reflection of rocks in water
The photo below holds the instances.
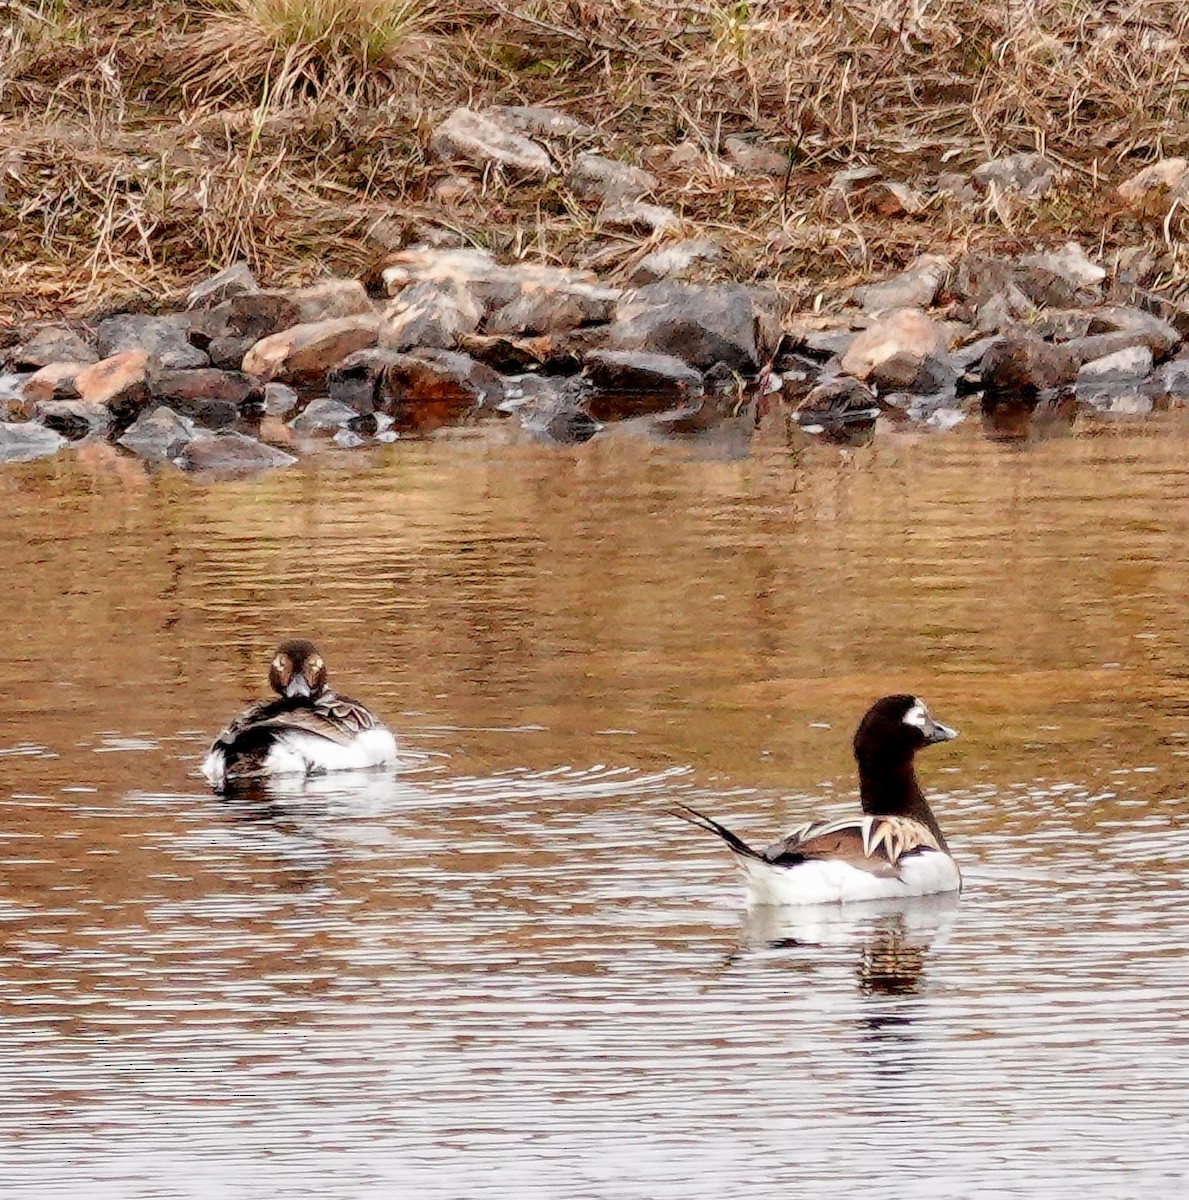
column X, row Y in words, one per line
column 1028, row 420
column 892, row 962
column 841, row 410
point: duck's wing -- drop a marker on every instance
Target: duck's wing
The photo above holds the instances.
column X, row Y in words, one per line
column 254, row 715
column 873, row 844
column 336, row 718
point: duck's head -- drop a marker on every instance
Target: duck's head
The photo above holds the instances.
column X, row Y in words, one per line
column 895, row 728
column 298, row 670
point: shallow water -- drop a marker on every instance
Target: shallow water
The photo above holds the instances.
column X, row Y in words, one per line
column 507, row 971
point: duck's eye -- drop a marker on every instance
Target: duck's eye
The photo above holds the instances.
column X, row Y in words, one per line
column 917, row 716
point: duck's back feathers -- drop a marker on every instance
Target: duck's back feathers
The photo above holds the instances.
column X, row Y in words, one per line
column 827, row 862
column 299, row 735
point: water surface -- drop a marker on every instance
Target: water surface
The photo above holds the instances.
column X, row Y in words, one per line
column 507, row 971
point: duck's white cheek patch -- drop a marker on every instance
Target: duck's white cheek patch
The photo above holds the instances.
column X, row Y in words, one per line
column 917, row 716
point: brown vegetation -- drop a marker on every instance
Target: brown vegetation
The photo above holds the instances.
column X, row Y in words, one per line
column 143, row 144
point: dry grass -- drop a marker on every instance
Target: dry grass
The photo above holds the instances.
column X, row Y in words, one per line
column 132, row 161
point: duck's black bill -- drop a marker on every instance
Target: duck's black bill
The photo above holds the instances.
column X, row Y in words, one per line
column 939, row 733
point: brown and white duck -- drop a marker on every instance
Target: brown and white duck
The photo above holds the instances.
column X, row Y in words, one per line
column 895, row 849
column 305, row 730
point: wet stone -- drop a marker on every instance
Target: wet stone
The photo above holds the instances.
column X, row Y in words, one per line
column 322, row 416
column 160, row 435
column 232, row 454
column 25, row 441
column 436, row 387
column 633, row 382
column 838, row 408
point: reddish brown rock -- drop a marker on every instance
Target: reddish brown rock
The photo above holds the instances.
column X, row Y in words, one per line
column 903, row 351
column 58, row 381
column 305, row 352
column 1022, row 364
column 436, row 387
column 121, row 383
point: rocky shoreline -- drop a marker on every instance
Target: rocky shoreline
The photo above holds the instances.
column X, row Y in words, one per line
column 441, row 334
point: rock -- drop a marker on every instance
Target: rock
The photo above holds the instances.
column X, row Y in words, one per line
column 675, row 260
column 550, row 409
column 122, row 383
column 256, row 315
column 956, row 186
column 322, row 416
column 1169, row 384
column 701, row 326
column 433, row 314
column 355, row 382
column 902, row 351
column 551, row 310
column 308, row 351
column 634, row 216
column 754, row 159
column 593, row 177
column 1157, row 185
column 540, row 121
column 1119, row 400
column 838, row 408
column 231, row 453
column 1027, row 175
column 24, row 441
column 279, row 399
column 1071, row 264
column 1048, row 289
column 58, row 381
column 213, row 398
column 486, row 139
column 631, row 383
column 348, row 439
column 433, row 388
column 1123, row 366
column 235, row 280
column 74, row 419
column 508, row 355
column 160, row 435
column 1150, row 330
column 1003, row 311
column 164, row 338
column 914, row 287
column 1022, row 364
column 49, row 345
column 227, row 353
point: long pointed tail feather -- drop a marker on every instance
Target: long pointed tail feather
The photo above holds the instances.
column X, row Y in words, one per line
column 702, row 821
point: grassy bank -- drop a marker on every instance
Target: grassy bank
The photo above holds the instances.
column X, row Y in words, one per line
column 143, row 144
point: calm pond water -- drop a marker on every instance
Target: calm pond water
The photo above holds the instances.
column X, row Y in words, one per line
column 507, row 971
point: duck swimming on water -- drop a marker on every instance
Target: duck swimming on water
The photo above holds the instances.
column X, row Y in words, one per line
column 306, row 730
column 895, row 849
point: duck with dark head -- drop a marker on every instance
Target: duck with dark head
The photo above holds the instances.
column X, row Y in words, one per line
column 307, row 729
column 895, row 849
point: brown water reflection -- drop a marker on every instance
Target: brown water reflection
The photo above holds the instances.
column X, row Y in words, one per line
column 506, row 972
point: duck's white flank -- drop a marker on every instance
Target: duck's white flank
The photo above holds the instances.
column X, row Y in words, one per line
column 296, row 752
column 834, row 881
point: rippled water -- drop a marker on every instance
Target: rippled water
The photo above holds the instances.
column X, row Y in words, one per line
column 507, row 971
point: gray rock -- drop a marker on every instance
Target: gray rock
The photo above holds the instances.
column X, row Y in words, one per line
column 355, row 382
column 1158, row 335
column 634, row 216
column 1170, row 382
column 755, row 159
column 24, row 441
column 593, row 177
column 162, row 338
column 914, row 287
column 1071, row 263
column 1028, row 175
column 348, row 439
column 541, row 121
column 235, row 280
column 433, row 314
column 321, row 416
column 487, row 139
column 539, row 311
column 701, row 326
column 160, row 435
column 227, row 353
column 49, row 345
column 279, row 399
column 231, row 454
column 1124, row 366
column 676, row 260
column 74, row 419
